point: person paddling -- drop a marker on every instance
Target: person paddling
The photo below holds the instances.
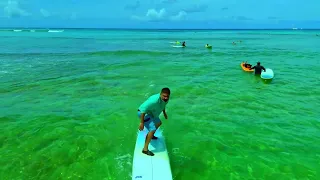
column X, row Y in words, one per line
column 246, row 65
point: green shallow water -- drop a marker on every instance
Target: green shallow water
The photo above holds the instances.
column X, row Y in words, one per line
column 69, row 102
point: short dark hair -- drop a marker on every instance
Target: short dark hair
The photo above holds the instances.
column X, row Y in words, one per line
column 165, row 90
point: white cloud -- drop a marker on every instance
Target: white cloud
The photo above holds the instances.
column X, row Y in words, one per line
column 45, row 13
column 180, row 16
column 154, row 15
column 12, row 10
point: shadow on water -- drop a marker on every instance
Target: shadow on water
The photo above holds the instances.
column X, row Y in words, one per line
column 258, row 79
column 266, row 81
column 196, row 171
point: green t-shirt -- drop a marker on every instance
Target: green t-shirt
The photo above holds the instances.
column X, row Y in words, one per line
column 153, row 106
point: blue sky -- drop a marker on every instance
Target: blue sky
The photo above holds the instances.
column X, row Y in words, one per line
column 160, row 13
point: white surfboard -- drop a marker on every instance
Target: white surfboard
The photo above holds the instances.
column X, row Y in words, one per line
column 267, row 75
column 179, row 46
column 155, row 167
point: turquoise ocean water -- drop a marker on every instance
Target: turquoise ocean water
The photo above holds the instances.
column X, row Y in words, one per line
column 69, row 101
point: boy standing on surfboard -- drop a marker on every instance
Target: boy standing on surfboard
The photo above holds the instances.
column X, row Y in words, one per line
column 148, row 114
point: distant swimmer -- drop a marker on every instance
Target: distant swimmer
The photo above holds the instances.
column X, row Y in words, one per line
column 208, row 46
column 184, row 43
column 258, row 69
column 149, row 112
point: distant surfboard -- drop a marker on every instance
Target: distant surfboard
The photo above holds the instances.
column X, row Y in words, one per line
column 155, row 167
column 179, row 46
column 55, row 31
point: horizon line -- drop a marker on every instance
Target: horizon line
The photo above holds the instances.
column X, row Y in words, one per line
column 3, row 28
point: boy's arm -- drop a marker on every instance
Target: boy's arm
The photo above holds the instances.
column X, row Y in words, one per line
column 264, row 69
